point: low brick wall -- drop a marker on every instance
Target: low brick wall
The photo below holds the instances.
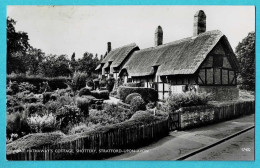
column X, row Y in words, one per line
column 191, row 117
column 220, row 93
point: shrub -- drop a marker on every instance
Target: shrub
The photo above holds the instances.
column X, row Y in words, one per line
column 26, row 86
column 137, row 104
column 143, row 116
column 46, row 97
column 68, row 115
column 148, row 94
column 36, row 108
column 90, row 98
column 14, row 87
column 130, row 97
column 84, row 91
column 176, row 101
column 53, row 106
column 110, row 84
column 65, row 100
column 16, row 123
column 83, row 104
column 103, row 94
column 82, row 127
column 36, row 81
column 45, row 123
column 78, row 81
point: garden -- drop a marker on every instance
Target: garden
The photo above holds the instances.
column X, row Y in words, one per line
column 69, row 108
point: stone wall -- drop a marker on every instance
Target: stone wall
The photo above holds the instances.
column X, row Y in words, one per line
column 220, row 93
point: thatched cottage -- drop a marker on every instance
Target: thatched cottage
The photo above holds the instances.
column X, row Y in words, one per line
column 204, row 62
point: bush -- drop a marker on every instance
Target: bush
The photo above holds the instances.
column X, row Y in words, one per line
column 143, row 116
column 137, row 104
column 130, row 97
column 14, row 87
column 53, row 106
column 16, row 123
column 82, row 127
column 148, row 94
column 46, row 97
column 103, row 94
column 54, row 97
column 26, row 86
column 45, row 123
column 65, row 100
column 84, row 91
column 90, row 98
column 176, row 101
column 78, row 81
column 36, row 81
column 110, row 84
column 83, row 104
column 68, row 115
column 36, row 108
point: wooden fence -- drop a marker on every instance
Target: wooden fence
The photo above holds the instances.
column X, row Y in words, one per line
column 119, row 140
column 97, row 145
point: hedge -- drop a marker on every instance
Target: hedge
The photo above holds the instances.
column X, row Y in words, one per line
column 54, row 83
column 148, row 94
column 133, row 84
column 102, row 94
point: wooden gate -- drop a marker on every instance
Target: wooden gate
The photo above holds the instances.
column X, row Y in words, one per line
column 174, row 121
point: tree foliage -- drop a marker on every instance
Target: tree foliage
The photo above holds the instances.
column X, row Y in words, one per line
column 245, row 52
column 87, row 64
column 53, row 66
column 17, row 45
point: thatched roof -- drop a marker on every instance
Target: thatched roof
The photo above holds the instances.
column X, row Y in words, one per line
column 178, row 57
column 118, row 55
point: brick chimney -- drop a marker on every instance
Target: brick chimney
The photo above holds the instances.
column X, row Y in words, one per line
column 199, row 25
column 158, row 36
column 108, row 47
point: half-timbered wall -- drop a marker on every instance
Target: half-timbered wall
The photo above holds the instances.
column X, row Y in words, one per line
column 216, row 69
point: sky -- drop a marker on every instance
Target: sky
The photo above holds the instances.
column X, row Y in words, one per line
column 67, row 29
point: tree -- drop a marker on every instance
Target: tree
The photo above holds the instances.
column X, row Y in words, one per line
column 33, row 58
column 245, row 52
column 17, row 45
column 53, row 66
column 73, row 63
column 87, row 64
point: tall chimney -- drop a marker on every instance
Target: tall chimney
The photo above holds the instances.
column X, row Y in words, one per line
column 158, row 38
column 199, row 25
column 108, row 47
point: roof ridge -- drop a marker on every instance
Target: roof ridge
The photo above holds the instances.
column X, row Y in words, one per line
column 131, row 44
column 182, row 40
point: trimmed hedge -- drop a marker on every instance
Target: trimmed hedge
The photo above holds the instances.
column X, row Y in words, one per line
column 102, row 94
column 148, row 94
column 137, row 104
column 133, row 84
column 84, row 91
column 130, row 97
column 54, row 83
